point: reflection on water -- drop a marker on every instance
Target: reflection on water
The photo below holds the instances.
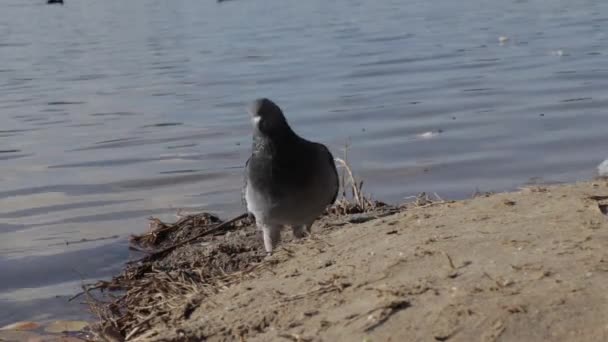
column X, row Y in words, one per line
column 114, row 111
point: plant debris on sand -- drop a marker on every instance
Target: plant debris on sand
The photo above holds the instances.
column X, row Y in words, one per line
column 188, row 261
column 168, row 279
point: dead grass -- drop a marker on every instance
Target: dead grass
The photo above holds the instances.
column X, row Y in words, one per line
column 189, row 260
column 423, row 200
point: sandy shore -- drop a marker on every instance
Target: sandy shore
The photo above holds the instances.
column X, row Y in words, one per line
column 529, row 265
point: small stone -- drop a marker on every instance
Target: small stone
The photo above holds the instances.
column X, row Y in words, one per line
column 453, row 275
column 310, row 313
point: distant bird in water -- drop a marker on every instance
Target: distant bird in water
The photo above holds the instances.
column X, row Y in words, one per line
column 288, row 179
column 50, row 2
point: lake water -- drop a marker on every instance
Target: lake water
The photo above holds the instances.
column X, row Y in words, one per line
column 113, row 111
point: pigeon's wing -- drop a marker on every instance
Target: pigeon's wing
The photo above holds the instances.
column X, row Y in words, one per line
column 332, row 163
column 244, row 188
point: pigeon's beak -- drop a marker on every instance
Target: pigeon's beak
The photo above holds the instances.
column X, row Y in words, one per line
column 255, row 120
column 253, row 111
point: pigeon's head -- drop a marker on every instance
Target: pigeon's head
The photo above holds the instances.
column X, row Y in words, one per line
column 268, row 119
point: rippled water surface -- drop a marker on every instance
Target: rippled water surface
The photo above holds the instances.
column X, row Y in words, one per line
column 112, row 111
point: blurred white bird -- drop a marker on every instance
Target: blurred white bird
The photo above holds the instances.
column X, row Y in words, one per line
column 602, row 169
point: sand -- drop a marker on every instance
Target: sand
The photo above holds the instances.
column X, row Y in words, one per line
column 529, row 265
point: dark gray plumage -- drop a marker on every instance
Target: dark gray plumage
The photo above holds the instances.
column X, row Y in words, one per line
column 288, row 180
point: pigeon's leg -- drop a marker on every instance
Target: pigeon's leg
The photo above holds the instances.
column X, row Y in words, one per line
column 309, row 229
column 300, row 231
column 272, row 236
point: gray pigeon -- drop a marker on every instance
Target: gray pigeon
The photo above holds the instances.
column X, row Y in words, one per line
column 288, row 179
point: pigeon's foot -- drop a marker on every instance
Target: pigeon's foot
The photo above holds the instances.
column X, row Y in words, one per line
column 300, row 231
